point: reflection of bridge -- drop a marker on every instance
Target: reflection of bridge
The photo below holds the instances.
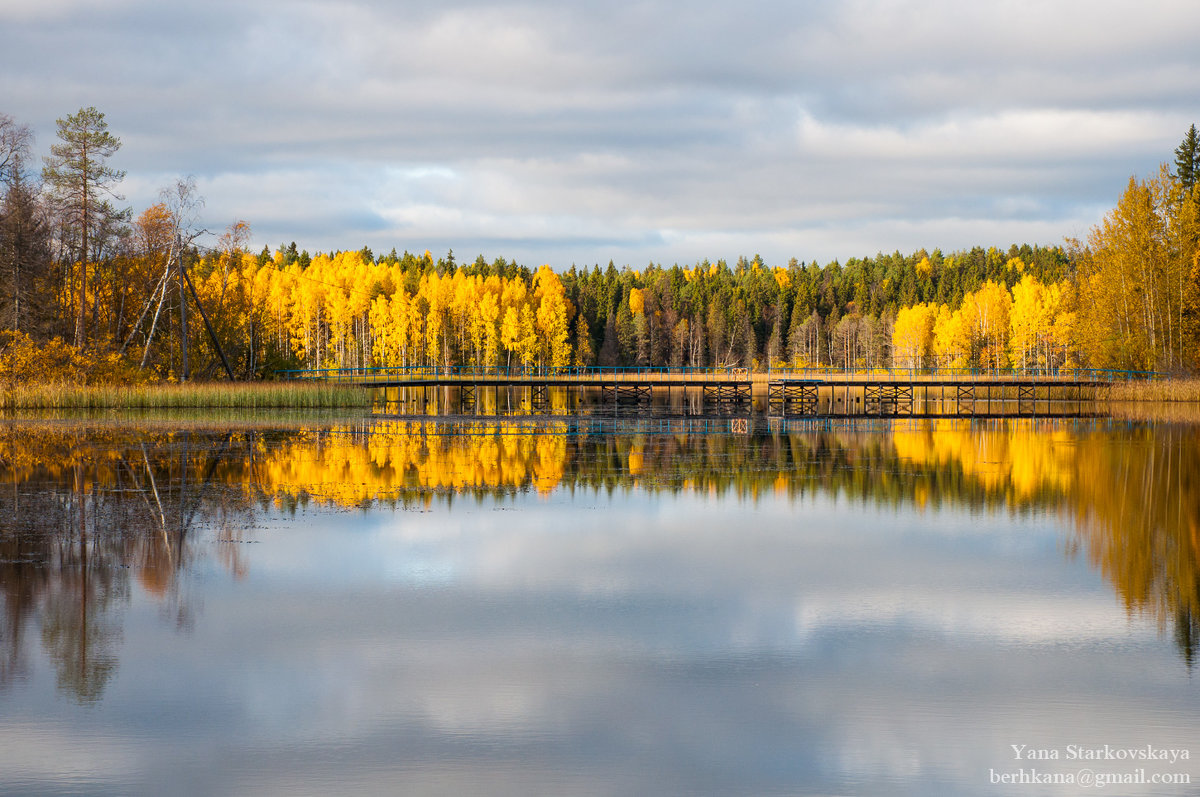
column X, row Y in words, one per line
column 617, row 384
column 816, row 393
column 935, row 398
column 623, row 388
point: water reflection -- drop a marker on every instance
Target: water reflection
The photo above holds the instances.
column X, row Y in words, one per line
column 81, row 513
column 88, row 511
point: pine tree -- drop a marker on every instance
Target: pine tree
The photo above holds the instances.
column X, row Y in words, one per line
column 1187, row 159
column 78, row 178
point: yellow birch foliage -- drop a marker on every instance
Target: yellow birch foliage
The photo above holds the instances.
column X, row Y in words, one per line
column 912, row 336
column 985, row 316
column 552, row 317
column 637, row 301
column 1029, row 318
column 489, row 320
column 951, row 339
column 1134, row 277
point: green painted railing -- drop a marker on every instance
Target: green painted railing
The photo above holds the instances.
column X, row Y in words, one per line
column 466, row 371
column 400, row 373
column 1079, row 374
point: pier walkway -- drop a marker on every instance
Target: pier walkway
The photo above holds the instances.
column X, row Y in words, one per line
column 798, row 393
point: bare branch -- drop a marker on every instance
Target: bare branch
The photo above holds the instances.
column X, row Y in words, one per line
column 16, row 140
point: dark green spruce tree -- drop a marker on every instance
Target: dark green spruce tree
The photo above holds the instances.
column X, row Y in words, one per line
column 1187, row 159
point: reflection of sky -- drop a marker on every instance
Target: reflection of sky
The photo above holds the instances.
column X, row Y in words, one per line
column 650, row 644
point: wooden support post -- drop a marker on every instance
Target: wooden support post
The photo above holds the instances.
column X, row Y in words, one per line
column 183, row 325
column 204, row 316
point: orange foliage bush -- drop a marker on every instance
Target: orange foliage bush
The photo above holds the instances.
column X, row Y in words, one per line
column 24, row 361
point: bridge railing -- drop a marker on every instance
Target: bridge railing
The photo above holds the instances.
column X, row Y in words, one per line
column 919, row 374
column 400, row 373
column 455, row 372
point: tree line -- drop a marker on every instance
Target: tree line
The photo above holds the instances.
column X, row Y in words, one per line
column 158, row 294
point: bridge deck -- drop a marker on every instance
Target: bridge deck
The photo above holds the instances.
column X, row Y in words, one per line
column 654, row 380
column 982, row 381
column 555, row 381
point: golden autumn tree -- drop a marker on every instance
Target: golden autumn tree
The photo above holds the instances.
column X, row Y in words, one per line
column 951, row 339
column 489, row 320
column 637, row 301
column 912, row 336
column 510, row 333
column 552, row 319
column 513, row 298
column 384, row 346
column 1191, row 315
column 1030, row 317
column 438, row 293
column 527, row 344
column 985, row 316
column 1134, row 277
column 231, row 246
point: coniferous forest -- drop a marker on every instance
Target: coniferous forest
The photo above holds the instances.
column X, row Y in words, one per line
column 90, row 290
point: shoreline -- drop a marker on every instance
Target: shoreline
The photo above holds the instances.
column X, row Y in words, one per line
column 332, row 396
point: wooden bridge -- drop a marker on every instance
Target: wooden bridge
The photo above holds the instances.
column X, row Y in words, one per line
column 823, row 393
column 936, row 398
column 617, row 386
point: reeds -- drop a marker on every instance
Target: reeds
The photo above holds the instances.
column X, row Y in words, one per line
column 208, row 395
column 1181, row 389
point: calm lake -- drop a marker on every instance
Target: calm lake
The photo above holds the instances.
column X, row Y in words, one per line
column 573, row 605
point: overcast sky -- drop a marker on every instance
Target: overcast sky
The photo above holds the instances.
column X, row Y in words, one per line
column 576, row 131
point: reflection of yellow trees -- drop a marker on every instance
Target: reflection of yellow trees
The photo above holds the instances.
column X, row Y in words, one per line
column 637, row 457
column 1021, row 459
column 83, row 513
column 1137, row 510
column 1013, row 462
column 1133, row 496
column 392, row 461
column 1132, row 492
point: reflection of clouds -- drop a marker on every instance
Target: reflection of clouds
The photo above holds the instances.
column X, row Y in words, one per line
column 647, row 644
column 422, row 571
column 997, row 618
column 41, row 752
column 773, row 575
column 489, row 706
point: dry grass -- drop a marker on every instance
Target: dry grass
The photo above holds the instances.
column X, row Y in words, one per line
column 1157, row 390
column 212, row 395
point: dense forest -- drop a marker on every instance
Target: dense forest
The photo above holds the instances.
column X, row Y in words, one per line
column 85, row 282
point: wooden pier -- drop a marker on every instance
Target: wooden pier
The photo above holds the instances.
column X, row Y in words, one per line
column 935, row 398
column 818, row 398
column 895, row 395
column 722, row 388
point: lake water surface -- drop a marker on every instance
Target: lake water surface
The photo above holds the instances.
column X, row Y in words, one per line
column 564, row 606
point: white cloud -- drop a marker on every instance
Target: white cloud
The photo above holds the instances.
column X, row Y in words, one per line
column 38, row 10
column 582, row 131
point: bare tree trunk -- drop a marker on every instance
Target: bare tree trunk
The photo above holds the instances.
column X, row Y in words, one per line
column 153, row 326
column 154, row 323
column 146, row 308
column 79, row 330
